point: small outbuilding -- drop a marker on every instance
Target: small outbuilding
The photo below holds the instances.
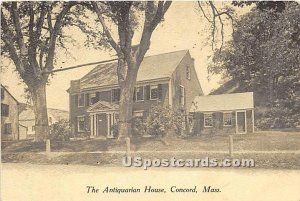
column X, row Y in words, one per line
column 223, row 114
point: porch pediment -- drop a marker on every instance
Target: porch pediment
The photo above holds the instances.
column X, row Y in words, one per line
column 103, row 106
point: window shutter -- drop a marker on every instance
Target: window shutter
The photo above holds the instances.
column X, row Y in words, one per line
column 147, row 92
column 76, row 100
column 159, row 91
column 97, row 96
column 134, row 98
column 87, row 99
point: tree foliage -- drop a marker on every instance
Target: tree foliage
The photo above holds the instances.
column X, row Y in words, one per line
column 125, row 17
column 264, row 56
column 30, row 35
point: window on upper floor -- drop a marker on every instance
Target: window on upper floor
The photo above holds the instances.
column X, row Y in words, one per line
column 153, row 92
column 139, row 93
column 188, row 73
column 4, row 110
column 115, row 95
column 7, row 128
column 81, row 100
column 182, row 95
column 227, row 118
column 93, row 98
column 208, row 120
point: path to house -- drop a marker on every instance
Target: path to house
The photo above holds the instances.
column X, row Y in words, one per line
column 31, row 182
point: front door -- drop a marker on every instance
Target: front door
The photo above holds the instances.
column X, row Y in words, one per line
column 241, row 122
column 102, row 124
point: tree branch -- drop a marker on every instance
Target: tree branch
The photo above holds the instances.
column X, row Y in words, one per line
column 8, row 40
column 16, row 20
column 105, row 28
column 52, row 41
column 152, row 19
column 216, row 14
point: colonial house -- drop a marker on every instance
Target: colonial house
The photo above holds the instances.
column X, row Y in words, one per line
column 223, row 114
column 9, row 116
column 27, row 119
column 167, row 79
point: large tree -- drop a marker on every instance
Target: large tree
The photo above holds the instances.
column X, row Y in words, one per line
column 264, row 56
column 30, row 31
column 126, row 16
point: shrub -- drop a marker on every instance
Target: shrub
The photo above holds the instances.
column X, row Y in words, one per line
column 163, row 119
column 283, row 114
column 60, row 131
column 158, row 123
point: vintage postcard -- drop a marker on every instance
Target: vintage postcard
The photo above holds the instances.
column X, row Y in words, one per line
column 150, row 100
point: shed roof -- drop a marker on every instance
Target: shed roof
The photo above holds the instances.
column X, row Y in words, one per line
column 152, row 67
column 223, row 102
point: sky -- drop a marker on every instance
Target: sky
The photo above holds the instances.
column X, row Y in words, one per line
column 184, row 27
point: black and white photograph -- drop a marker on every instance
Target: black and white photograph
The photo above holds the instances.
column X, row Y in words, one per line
column 150, row 100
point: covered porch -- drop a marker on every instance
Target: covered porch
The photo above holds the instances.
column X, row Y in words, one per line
column 103, row 116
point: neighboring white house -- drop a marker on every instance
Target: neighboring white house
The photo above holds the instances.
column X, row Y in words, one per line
column 27, row 120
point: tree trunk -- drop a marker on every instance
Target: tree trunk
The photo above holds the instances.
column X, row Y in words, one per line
column 40, row 111
column 126, row 103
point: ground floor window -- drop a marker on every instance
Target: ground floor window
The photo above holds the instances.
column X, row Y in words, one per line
column 227, row 118
column 208, row 120
column 80, row 124
column 7, row 128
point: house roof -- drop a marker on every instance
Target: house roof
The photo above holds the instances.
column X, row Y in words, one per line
column 106, row 74
column 228, row 87
column 2, row 86
column 58, row 114
column 224, row 102
column 102, row 106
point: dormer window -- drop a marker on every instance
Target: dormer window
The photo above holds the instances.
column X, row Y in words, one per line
column 188, row 73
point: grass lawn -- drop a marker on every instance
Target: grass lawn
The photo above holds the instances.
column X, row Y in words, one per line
column 262, row 141
column 264, row 161
column 68, row 152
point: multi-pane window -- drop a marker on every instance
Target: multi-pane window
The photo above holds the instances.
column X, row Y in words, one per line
column 227, row 119
column 182, row 95
column 4, row 110
column 188, row 73
column 80, row 100
column 115, row 95
column 153, row 92
column 208, row 120
column 93, row 98
column 80, row 124
column 7, row 128
column 139, row 93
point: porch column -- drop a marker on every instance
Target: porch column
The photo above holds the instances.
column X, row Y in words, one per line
column 95, row 124
column 236, row 126
column 92, row 124
column 108, row 124
column 253, row 127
